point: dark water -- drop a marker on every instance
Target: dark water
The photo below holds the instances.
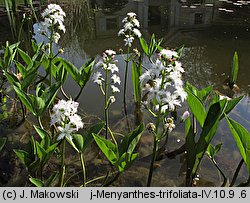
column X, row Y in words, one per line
column 210, row 31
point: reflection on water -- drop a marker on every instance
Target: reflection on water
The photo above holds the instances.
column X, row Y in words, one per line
column 209, row 30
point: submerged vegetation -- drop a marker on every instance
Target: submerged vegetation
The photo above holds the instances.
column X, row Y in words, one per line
column 159, row 90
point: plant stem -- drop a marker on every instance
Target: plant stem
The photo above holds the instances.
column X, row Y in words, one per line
column 96, row 179
column 112, row 180
column 51, row 52
column 236, row 173
column 78, row 95
column 62, row 163
column 83, row 169
column 106, row 105
column 40, row 122
column 150, row 175
column 155, row 149
column 64, row 93
column 125, row 80
column 156, row 138
column 221, row 172
column 125, row 88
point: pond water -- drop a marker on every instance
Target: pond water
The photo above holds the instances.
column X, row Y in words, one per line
column 210, row 31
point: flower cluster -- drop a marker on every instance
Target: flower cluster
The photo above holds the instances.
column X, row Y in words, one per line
column 163, row 82
column 130, row 29
column 53, row 17
column 108, row 64
column 65, row 116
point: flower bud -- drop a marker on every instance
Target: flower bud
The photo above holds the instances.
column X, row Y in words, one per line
column 60, row 51
column 150, row 127
column 112, row 99
column 47, row 46
column 184, row 116
column 169, row 125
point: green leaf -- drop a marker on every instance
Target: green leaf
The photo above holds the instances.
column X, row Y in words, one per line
column 78, row 142
column 208, row 131
column 136, row 73
column 201, row 94
column 85, row 73
column 130, row 141
column 196, row 107
column 125, row 161
column 37, row 182
column 25, row 57
column 88, row 138
column 2, row 142
column 217, row 148
column 44, row 135
column 72, row 70
column 144, row 46
column 190, row 146
column 21, row 69
column 212, row 151
column 108, row 148
column 24, row 157
column 38, row 105
column 12, row 79
column 234, row 69
column 242, row 139
column 41, row 132
column 28, row 80
column 49, row 94
column 41, row 152
column 25, row 99
column 231, row 104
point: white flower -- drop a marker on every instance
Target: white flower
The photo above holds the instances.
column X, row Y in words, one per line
column 56, row 37
column 121, row 32
column 114, row 89
column 53, row 20
column 65, row 117
column 65, row 131
column 129, row 41
column 97, row 78
column 136, row 22
column 129, row 30
column 76, row 121
column 169, row 125
column 131, row 14
column 137, row 32
column 178, row 67
column 113, row 68
column 181, row 93
column 125, row 20
column 62, row 27
column 116, row 79
column 168, row 54
column 145, row 76
column 128, row 26
column 110, row 52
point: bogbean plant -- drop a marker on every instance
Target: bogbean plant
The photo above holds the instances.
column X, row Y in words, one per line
column 158, row 89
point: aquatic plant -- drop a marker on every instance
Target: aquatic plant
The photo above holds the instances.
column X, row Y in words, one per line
column 162, row 93
column 234, row 70
column 208, row 119
column 108, row 63
column 129, row 31
column 158, row 92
